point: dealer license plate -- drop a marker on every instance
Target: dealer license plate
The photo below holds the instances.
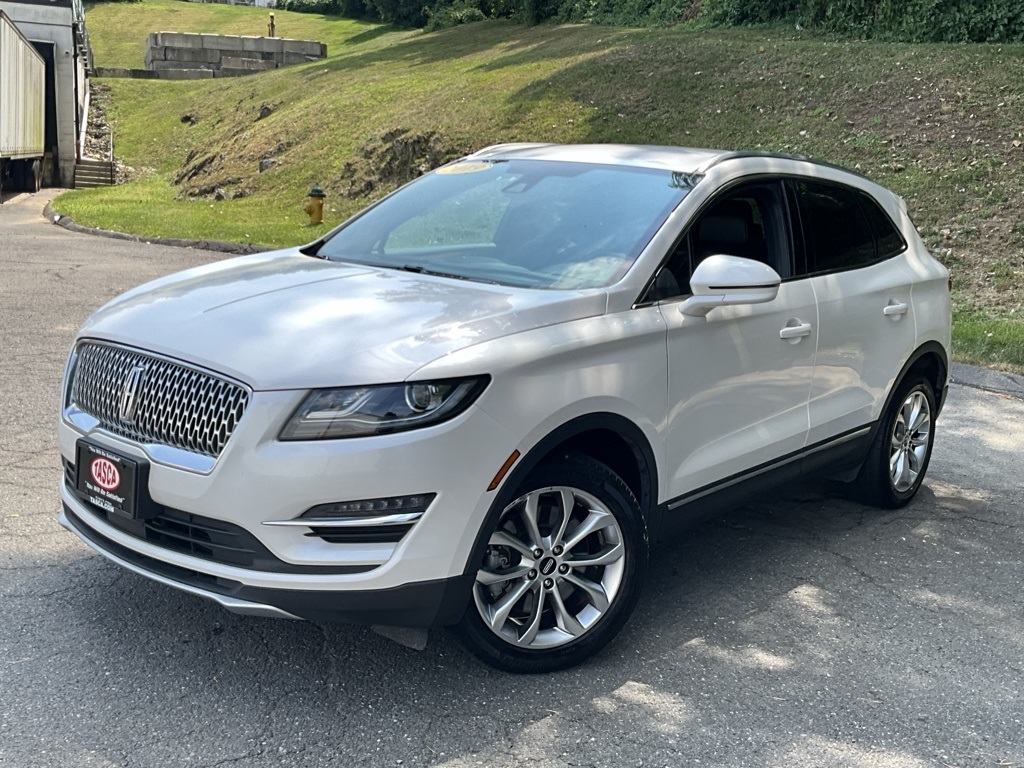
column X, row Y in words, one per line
column 107, row 479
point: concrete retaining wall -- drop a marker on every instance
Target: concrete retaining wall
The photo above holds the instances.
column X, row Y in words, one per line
column 191, row 55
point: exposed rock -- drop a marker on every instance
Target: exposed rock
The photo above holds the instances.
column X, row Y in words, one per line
column 394, row 158
column 267, row 163
column 98, row 136
column 194, row 166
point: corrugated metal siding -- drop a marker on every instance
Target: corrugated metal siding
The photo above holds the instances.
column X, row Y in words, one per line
column 22, row 94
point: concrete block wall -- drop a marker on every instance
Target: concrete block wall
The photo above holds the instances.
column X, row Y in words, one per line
column 192, row 55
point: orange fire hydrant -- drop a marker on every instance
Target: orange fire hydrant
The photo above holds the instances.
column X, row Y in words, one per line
column 314, row 205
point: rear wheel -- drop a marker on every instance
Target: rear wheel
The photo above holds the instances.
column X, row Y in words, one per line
column 898, row 459
column 562, row 570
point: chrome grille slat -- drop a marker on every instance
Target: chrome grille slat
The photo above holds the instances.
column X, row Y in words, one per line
column 176, row 405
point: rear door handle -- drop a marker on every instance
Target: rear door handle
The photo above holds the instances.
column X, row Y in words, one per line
column 895, row 309
column 795, row 331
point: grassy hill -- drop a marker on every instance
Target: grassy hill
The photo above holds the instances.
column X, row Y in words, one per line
column 940, row 124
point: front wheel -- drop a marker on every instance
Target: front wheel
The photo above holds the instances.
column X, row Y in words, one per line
column 899, row 456
column 562, row 570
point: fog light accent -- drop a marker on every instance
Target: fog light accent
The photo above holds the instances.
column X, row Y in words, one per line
column 393, row 510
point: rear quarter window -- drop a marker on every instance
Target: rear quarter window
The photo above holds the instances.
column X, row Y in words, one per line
column 888, row 240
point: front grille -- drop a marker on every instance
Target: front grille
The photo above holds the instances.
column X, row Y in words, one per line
column 173, row 404
column 175, row 572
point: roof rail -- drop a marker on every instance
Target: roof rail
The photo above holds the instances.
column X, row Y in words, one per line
column 725, row 156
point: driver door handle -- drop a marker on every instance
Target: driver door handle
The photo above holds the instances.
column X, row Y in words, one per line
column 895, row 309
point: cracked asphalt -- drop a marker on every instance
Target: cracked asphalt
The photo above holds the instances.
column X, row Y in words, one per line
column 804, row 630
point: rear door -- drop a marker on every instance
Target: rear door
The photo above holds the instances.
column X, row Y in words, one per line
column 850, row 250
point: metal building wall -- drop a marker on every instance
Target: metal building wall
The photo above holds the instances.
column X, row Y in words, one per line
column 22, row 86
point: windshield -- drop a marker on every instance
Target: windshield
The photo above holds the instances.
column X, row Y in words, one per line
column 531, row 223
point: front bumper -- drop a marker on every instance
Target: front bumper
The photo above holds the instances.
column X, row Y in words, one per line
column 424, row 604
column 417, row 581
column 259, row 481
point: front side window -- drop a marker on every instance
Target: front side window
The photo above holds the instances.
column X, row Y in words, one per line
column 746, row 221
column 530, row 223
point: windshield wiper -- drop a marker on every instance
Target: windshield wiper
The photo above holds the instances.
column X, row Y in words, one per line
column 418, row 270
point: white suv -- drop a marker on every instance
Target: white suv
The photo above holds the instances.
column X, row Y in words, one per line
column 477, row 402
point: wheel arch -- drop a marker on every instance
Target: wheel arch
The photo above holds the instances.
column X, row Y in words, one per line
column 929, row 360
column 609, row 438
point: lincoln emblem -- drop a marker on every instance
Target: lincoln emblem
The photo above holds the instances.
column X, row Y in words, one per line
column 130, row 394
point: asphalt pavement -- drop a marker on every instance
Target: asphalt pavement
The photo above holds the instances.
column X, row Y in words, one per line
column 804, row 630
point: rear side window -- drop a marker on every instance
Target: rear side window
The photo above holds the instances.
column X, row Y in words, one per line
column 836, row 230
column 841, row 228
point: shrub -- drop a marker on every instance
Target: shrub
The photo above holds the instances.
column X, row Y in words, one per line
column 353, row 9
column 906, row 20
column 443, row 16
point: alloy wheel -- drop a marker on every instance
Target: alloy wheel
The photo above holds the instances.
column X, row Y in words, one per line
column 909, row 442
column 552, row 569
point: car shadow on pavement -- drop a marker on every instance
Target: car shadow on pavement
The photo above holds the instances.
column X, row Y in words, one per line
column 805, row 629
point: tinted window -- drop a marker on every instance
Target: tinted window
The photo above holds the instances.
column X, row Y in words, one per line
column 889, row 240
column 836, row 230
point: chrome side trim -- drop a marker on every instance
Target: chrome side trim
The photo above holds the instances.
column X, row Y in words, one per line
column 404, row 518
column 743, row 476
column 243, row 607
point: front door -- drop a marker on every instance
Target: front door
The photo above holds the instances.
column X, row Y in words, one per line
column 739, row 379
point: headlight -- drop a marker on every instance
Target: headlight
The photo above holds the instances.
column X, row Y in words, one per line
column 362, row 411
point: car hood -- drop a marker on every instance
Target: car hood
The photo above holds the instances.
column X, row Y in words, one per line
column 283, row 320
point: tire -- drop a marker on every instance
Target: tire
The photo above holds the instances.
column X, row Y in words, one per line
column 34, row 176
column 531, row 612
column 898, row 458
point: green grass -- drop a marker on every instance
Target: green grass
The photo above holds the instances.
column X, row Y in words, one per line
column 144, row 206
column 993, row 342
column 118, row 31
column 936, row 123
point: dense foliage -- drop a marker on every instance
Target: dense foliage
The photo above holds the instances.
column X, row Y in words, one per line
column 907, row 20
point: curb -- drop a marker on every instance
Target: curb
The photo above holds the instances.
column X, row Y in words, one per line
column 987, row 379
column 220, row 246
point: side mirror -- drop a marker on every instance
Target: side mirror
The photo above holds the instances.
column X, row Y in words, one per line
column 722, row 281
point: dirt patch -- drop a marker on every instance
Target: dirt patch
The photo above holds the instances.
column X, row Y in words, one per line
column 963, row 138
column 392, row 159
